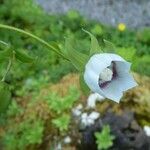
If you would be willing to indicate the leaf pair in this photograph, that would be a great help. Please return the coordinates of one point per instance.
(107, 47)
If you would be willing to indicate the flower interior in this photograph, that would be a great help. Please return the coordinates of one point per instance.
(107, 75)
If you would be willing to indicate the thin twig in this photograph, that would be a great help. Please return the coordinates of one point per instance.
(7, 70)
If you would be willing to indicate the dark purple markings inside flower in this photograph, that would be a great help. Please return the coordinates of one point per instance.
(112, 67)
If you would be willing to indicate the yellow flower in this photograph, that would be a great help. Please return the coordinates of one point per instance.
(121, 27)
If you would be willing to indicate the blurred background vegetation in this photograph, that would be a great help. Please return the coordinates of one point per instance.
(29, 79)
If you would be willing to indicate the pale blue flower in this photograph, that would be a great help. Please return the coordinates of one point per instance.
(108, 75)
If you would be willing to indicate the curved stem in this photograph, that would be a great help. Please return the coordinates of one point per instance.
(33, 36)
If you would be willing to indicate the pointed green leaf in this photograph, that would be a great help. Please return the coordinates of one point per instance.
(95, 48)
(24, 57)
(77, 59)
(5, 97)
(109, 47)
(85, 89)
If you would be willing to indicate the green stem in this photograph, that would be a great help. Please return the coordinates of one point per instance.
(4, 43)
(7, 70)
(33, 36)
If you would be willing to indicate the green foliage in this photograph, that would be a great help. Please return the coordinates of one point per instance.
(28, 79)
(104, 139)
(109, 47)
(62, 122)
(24, 128)
(5, 97)
(72, 14)
(60, 104)
(141, 64)
(24, 134)
(97, 30)
(14, 109)
(143, 35)
(127, 53)
(77, 58)
(23, 57)
(55, 28)
(5, 54)
(85, 89)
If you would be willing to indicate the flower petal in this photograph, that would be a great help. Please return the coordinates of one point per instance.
(122, 66)
(115, 57)
(113, 91)
(125, 79)
(91, 79)
(98, 62)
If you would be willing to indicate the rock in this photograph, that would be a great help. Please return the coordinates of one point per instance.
(128, 134)
(134, 13)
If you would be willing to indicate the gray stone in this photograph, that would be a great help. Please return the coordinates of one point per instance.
(134, 13)
(128, 134)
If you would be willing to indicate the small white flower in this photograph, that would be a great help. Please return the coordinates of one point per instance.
(147, 130)
(77, 110)
(67, 140)
(94, 115)
(84, 116)
(92, 99)
(108, 75)
(88, 120)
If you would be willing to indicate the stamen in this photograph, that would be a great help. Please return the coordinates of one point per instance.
(106, 75)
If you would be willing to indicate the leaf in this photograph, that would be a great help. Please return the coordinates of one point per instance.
(24, 57)
(60, 104)
(5, 54)
(77, 59)
(109, 47)
(5, 97)
(95, 48)
(83, 85)
(104, 139)
(62, 122)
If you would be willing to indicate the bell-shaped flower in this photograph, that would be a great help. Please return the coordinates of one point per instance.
(108, 75)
